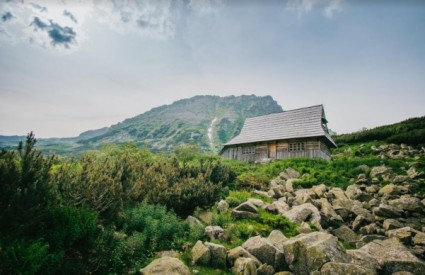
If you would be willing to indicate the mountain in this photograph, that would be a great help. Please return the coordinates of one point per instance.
(206, 121)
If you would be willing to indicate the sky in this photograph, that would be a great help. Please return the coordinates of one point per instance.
(71, 66)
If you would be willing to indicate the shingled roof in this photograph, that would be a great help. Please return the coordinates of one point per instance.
(299, 123)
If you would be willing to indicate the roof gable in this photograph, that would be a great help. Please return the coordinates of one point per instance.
(299, 123)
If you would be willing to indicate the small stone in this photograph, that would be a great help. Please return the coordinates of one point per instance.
(200, 254)
(344, 233)
(214, 232)
(390, 224)
(244, 266)
(403, 234)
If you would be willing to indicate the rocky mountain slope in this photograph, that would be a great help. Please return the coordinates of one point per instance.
(376, 225)
(206, 121)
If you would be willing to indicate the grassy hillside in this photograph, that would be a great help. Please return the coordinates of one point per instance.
(410, 131)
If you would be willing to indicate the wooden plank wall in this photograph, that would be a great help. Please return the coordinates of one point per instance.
(314, 148)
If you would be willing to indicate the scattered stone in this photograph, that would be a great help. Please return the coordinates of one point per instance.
(166, 265)
(400, 179)
(214, 232)
(319, 190)
(367, 239)
(407, 203)
(304, 196)
(392, 257)
(359, 222)
(193, 222)
(338, 194)
(403, 234)
(266, 252)
(419, 239)
(244, 266)
(390, 224)
(379, 170)
(218, 254)
(222, 206)
(304, 212)
(373, 189)
(281, 206)
(256, 202)
(240, 252)
(369, 229)
(304, 228)
(307, 253)
(343, 268)
(200, 254)
(344, 233)
(362, 258)
(277, 239)
(247, 207)
(265, 269)
(289, 185)
(386, 211)
(289, 173)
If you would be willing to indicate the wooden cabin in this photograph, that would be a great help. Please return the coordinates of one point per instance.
(289, 134)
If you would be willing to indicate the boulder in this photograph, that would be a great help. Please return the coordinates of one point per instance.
(407, 203)
(319, 190)
(344, 268)
(222, 206)
(359, 222)
(373, 189)
(378, 171)
(386, 211)
(367, 239)
(244, 266)
(247, 207)
(337, 193)
(307, 253)
(419, 239)
(193, 222)
(289, 185)
(369, 229)
(289, 173)
(362, 258)
(277, 239)
(214, 232)
(344, 233)
(392, 257)
(304, 228)
(304, 196)
(390, 190)
(240, 252)
(166, 265)
(304, 212)
(201, 254)
(281, 206)
(218, 254)
(266, 252)
(400, 179)
(256, 202)
(239, 215)
(403, 234)
(413, 174)
(265, 269)
(390, 224)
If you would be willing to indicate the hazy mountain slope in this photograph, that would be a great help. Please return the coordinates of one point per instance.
(187, 121)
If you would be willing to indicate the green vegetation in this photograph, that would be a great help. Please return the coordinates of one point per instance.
(410, 131)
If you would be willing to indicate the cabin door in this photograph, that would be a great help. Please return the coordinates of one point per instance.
(272, 150)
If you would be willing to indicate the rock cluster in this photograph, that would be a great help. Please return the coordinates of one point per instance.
(383, 227)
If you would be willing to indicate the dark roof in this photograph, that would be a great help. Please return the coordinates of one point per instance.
(299, 123)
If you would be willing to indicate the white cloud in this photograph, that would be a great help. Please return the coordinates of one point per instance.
(329, 7)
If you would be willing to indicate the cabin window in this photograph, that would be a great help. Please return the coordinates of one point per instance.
(297, 146)
(249, 150)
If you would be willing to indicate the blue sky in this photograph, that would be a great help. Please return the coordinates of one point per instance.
(69, 66)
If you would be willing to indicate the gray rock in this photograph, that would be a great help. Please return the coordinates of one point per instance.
(403, 234)
(281, 206)
(289, 173)
(390, 224)
(166, 265)
(338, 194)
(386, 211)
(240, 252)
(390, 190)
(200, 254)
(214, 232)
(369, 229)
(277, 239)
(193, 222)
(359, 222)
(362, 258)
(373, 189)
(304, 196)
(304, 228)
(328, 211)
(344, 233)
(218, 254)
(400, 179)
(289, 185)
(247, 207)
(319, 190)
(343, 268)
(419, 239)
(256, 202)
(244, 266)
(392, 257)
(304, 212)
(407, 203)
(265, 251)
(238, 215)
(307, 253)
(378, 171)
(265, 269)
(222, 206)
(367, 239)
